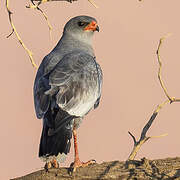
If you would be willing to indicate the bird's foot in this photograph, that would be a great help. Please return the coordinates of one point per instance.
(51, 164)
(55, 164)
(78, 164)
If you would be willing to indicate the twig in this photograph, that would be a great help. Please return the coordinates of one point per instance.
(42, 1)
(34, 6)
(93, 3)
(160, 70)
(17, 35)
(171, 99)
(143, 137)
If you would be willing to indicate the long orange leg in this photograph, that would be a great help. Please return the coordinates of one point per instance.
(77, 163)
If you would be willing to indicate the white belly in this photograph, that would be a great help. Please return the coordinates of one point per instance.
(81, 105)
(82, 108)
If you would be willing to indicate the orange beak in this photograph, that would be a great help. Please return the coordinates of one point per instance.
(92, 27)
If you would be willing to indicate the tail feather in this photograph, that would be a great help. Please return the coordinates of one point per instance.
(56, 134)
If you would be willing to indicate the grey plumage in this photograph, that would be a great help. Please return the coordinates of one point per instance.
(67, 86)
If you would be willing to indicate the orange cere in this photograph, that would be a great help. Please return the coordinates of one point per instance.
(91, 26)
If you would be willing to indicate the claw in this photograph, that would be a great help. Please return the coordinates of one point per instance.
(78, 164)
(55, 164)
(51, 164)
(47, 166)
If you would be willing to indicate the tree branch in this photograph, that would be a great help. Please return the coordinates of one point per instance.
(143, 137)
(43, 1)
(171, 99)
(160, 70)
(140, 169)
(17, 35)
(34, 6)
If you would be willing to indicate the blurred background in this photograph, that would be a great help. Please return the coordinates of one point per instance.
(126, 49)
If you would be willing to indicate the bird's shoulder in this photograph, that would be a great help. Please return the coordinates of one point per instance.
(73, 63)
(76, 60)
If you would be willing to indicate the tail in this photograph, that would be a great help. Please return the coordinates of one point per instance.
(56, 134)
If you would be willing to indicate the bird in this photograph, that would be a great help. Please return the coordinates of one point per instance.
(68, 84)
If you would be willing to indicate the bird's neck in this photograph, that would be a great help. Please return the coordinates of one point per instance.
(73, 42)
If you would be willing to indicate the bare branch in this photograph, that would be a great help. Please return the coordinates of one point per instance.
(171, 99)
(34, 6)
(136, 148)
(160, 70)
(17, 35)
(133, 137)
(161, 105)
(143, 137)
(147, 126)
(162, 135)
(138, 145)
(93, 3)
(43, 1)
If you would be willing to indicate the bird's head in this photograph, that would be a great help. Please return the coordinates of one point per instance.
(81, 27)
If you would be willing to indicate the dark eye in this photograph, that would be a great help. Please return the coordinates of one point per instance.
(81, 23)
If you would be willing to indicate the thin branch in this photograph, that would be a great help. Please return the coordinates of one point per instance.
(171, 99)
(43, 1)
(93, 3)
(17, 35)
(143, 137)
(133, 137)
(162, 135)
(34, 6)
(147, 126)
(160, 70)
(152, 118)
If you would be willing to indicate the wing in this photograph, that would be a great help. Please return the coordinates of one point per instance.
(41, 84)
(78, 78)
(75, 82)
(100, 80)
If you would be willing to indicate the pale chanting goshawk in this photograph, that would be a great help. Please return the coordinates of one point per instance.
(67, 86)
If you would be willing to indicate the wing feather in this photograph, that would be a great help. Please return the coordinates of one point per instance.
(79, 79)
(75, 81)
